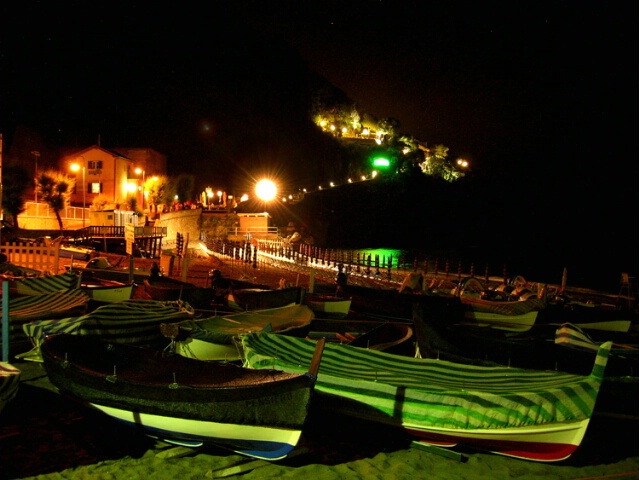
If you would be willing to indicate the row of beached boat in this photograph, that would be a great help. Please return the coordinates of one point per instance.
(244, 377)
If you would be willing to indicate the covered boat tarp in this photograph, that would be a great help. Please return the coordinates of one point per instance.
(218, 337)
(428, 393)
(134, 321)
(9, 383)
(49, 305)
(48, 283)
(223, 329)
(46, 305)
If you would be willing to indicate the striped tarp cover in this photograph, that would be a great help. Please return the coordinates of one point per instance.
(48, 305)
(135, 321)
(434, 393)
(224, 329)
(9, 383)
(574, 337)
(48, 283)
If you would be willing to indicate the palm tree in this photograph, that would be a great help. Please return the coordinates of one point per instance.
(16, 182)
(55, 190)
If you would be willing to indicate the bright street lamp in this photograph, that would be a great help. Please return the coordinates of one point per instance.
(265, 190)
(75, 167)
(143, 172)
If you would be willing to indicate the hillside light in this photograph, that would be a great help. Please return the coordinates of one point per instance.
(381, 162)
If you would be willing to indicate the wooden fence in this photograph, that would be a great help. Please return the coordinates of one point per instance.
(34, 257)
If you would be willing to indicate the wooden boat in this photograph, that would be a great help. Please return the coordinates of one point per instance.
(66, 249)
(9, 383)
(497, 309)
(28, 308)
(539, 349)
(386, 337)
(219, 337)
(327, 306)
(529, 414)
(47, 283)
(587, 315)
(525, 309)
(255, 413)
(566, 348)
(368, 301)
(258, 299)
(11, 272)
(390, 304)
(135, 321)
(97, 289)
(359, 331)
(101, 267)
(166, 288)
(107, 291)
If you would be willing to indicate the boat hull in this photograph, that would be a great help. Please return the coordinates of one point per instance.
(256, 299)
(108, 293)
(268, 443)
(540, 442)
(328, 307)
(183, 400)
(167, 289)
(509, 323)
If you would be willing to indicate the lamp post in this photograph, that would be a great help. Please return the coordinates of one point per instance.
(36, 155)
(143, 172)
(75, 167)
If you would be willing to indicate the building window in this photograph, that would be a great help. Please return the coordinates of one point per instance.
(95, 187)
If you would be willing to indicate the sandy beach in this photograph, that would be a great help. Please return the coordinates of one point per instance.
(46, 436)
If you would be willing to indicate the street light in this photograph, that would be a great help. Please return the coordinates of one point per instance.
(266, 190)
(75, 167)
(36, 155)
(143, 172)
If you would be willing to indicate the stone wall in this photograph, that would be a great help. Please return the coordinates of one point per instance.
(186, 222)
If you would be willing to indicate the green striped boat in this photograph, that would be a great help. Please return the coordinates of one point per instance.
(535, 415)
(47, 305)
(135, 321)
(48, 283)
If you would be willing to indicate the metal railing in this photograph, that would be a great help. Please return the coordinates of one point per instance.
(38, 210)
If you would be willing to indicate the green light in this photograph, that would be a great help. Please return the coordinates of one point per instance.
(381, 162)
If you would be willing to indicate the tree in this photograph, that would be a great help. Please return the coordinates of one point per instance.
(437, 164)
(15, 182)
(156, 189)
(55, 188)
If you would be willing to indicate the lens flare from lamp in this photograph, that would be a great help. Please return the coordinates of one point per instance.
(265, 190)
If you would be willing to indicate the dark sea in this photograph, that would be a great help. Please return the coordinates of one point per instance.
(487, 229)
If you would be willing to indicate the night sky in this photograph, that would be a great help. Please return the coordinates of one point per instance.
(539, 96)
